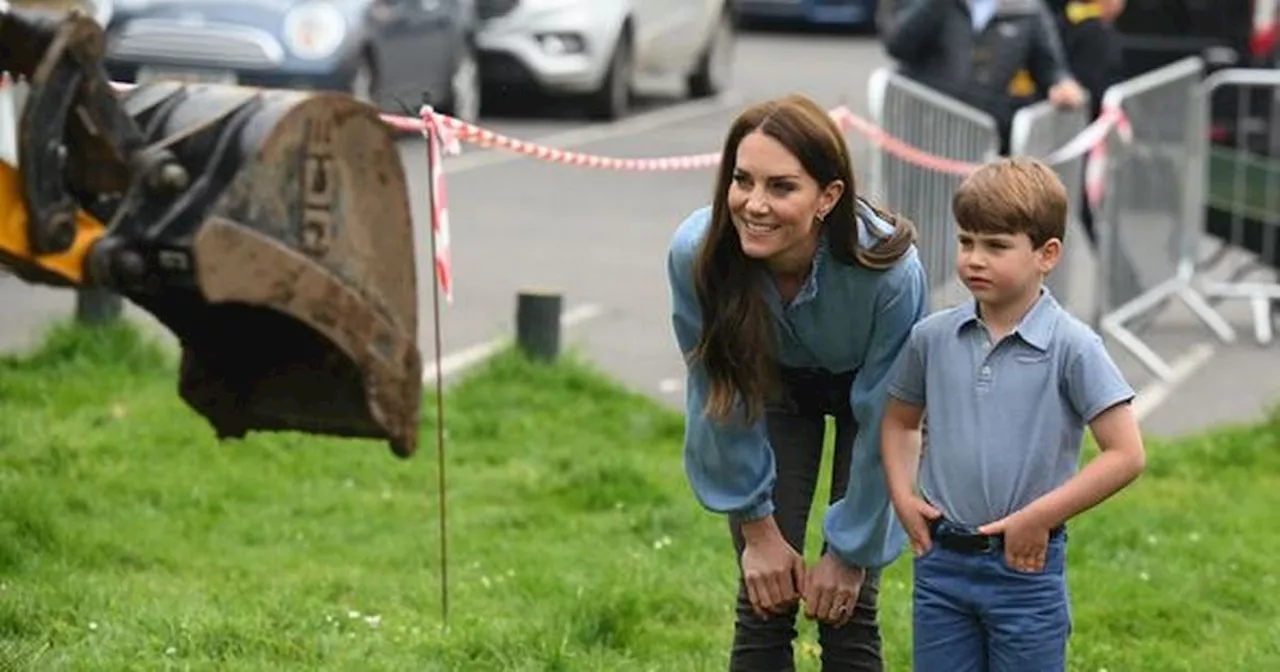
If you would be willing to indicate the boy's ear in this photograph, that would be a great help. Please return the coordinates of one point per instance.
(1049, 254)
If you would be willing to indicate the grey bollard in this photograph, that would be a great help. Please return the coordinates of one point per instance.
(96, 306)
(538, 325)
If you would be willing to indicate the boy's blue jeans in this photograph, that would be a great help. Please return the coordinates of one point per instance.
(973, 613)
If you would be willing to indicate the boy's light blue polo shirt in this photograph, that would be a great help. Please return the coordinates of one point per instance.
(1006, 420)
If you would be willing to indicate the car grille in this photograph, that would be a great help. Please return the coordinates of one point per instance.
(492, 9)
(208, 44)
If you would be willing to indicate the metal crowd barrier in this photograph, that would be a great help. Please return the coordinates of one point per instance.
(1241, 182)
(1037, 131)
(1153, 197)
(1166, 186)
(1172, 117)
(941, 126)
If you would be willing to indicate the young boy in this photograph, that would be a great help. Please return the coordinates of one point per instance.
(1009, 380)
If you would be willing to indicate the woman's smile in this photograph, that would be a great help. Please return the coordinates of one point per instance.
(757, 229)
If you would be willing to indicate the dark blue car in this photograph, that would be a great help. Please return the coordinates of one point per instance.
(819, 12)
(384, 51)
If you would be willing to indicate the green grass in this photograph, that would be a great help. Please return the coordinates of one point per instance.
(130, 539)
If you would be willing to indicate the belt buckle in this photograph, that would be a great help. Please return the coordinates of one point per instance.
(964, 540)
(982, 543)
(968, 543)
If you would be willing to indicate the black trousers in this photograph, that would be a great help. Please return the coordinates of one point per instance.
(796, 428)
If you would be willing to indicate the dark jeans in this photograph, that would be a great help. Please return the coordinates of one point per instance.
(796, 428)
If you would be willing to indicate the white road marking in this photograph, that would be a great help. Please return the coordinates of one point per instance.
(1151, 396)
(456, 362)
(640, 123)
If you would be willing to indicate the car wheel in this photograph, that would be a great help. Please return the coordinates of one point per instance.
(464, 88)
(715, 67)
(613, 99)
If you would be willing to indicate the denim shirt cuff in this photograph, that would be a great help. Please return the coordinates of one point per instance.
(754, 512)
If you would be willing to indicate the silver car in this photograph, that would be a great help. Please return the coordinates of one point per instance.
(598, 48)
(387, 52)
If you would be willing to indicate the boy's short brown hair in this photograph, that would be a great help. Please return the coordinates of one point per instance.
(1012, 196)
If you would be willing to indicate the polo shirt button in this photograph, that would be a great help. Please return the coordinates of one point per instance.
(986, 371)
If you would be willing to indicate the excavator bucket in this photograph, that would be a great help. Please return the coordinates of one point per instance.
(269, 230)
(301, 308)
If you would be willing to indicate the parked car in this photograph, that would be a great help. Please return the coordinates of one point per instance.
(818, 12)
(598, 48)
(382, 51)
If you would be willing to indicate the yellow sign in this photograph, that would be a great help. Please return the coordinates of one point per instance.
(1078, 12)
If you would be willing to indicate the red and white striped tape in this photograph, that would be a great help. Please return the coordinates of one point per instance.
(1091, 137)
(1095, 175)
(444, 135)
(439, 141)
(900, 149)
(1087, 141)
(846, 118)
(484, 137)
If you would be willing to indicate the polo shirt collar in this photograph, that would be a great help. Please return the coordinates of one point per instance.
(1036, 327)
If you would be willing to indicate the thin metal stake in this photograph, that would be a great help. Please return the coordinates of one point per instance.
(435, 309)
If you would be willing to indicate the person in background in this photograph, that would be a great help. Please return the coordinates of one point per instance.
(1087, 28)
(1010, 381)
(991, 54)
(791, 299)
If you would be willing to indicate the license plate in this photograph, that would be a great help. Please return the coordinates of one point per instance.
(185, 75)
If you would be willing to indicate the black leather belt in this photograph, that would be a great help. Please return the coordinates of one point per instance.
(965, 539)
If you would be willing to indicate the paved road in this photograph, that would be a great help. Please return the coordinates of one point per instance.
(600, 236)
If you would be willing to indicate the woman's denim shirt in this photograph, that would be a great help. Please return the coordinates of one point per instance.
(845, 318)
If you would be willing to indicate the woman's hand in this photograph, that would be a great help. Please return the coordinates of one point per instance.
(831, 592)
(773, 571)
(1111, 10)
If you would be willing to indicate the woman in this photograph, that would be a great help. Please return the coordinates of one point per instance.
(791, 299)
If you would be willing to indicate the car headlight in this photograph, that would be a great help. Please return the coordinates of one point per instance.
(314, 30)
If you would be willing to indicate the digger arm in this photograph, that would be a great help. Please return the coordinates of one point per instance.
(65, 268)
(76, 142)
(269, 230)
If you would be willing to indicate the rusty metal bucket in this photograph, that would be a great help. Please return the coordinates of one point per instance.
(291, 279)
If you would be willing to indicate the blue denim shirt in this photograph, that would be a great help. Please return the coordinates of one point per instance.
(845, 318)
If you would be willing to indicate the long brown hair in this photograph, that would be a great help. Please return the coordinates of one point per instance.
(737, 346)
